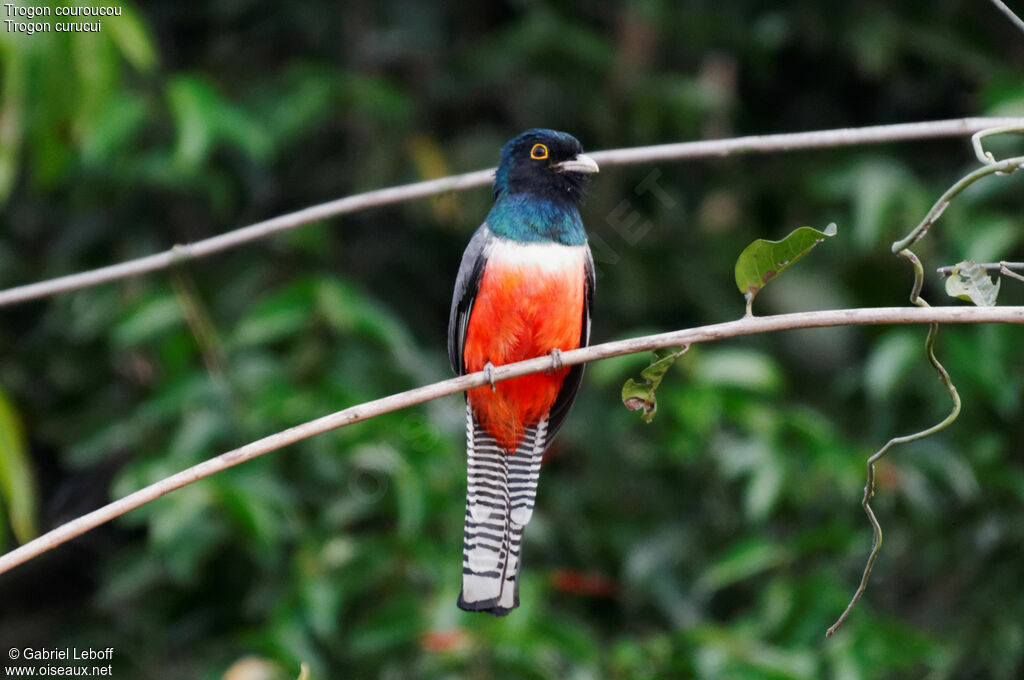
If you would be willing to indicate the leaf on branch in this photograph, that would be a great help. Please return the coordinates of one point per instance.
(639, 394)
(763, 260)
(969, 281)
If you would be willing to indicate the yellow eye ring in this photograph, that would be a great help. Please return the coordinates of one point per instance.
(539, 152)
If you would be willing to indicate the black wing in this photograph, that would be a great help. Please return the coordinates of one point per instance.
(466, 286)
(571, 385)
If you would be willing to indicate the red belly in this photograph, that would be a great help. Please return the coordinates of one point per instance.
(521, 312)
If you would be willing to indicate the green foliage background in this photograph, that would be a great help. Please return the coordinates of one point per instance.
(717, 542)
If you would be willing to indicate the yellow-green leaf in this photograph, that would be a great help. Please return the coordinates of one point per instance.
(12, 112)
(132, 36)
(17, 487)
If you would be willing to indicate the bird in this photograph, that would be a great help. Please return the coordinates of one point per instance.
(524, 289)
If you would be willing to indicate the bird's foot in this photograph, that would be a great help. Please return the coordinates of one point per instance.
(489, 372)
(556, 361)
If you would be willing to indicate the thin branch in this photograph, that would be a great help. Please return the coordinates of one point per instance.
(232, 239)
(1003, 167)
(869, 486)
(745, 326)
(1009, 13)
(380, 197)
(986, 157)
(902, 248)
(796, 141)
(1005, 271)
(947, 271)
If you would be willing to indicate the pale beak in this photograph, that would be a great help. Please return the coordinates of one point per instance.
(582, 163)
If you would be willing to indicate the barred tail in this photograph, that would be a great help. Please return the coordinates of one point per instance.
(500, 495)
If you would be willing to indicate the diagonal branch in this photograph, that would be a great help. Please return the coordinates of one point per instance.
(685, 150)
(748, 325)
(1009, 14)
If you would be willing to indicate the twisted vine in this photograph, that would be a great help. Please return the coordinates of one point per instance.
(901, 248)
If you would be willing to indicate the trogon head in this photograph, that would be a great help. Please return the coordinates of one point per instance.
(545, 164)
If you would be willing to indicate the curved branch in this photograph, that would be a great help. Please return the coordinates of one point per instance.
(902, 248)
(749, 325)
(1003, 167)
(869, 486)
(684, 150)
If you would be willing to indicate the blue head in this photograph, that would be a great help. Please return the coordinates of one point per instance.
(544, 163)
(538, 186)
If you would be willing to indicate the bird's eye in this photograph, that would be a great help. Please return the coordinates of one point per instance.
(539, 152)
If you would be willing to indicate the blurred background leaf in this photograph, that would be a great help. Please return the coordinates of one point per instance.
(17, 485)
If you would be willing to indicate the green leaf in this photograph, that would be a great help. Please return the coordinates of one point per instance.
(347, 309)
(96, 73)
(737, 367)
(149, 320)
(969, 281)
(114, 129)
(763, 260)
(17, 488)
(192, 102)
(132, 37)
(744, 560)
(639, 394)
(259, 506)
(281, 314)
(747, 657)
(888, 363)
(12, 112)
(204, 118)
(390, 624)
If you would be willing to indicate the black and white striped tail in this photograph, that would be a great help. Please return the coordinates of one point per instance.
(500, 494)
